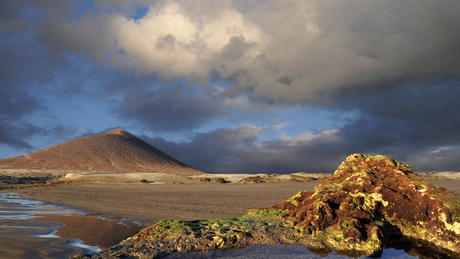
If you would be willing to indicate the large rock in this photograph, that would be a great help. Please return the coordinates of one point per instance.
(369, 201)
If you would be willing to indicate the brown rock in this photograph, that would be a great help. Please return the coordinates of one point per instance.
(368, 202)
(373, 197)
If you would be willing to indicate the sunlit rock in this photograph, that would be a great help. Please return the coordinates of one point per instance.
(368, 202)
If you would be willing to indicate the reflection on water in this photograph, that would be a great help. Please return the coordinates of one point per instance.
(282, 252)
(93, 230)
(421, 248)
(402, 248)
(33, 229)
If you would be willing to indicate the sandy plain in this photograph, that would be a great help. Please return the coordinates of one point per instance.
(151, 202)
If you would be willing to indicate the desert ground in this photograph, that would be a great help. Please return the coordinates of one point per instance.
(116, 196)
(149, 203)
(166, 197)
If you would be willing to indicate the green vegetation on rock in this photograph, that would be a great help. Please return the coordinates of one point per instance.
(367, 201)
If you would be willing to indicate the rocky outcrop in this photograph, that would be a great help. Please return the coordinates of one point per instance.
(369, 199)
(368, 202)
(279, 178)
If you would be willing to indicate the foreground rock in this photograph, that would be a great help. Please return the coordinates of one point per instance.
(368, 202)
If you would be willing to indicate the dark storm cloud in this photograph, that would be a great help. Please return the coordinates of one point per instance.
(414, 123)
(421, 113)
(24, 72)
(15, 67)
(413, 118)
(393, 65)
(170, 110)
(215, 151)
(15, 136)
(238, 150)
(13, 129)
(295, 52)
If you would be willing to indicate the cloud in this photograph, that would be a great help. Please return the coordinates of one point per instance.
(413, 114)
(300, 52)
(414, 123)
(294, 51)
(239, 150)
(180, 66)
(243, 150)
(170, 110)
(15, 67)
(178, 107)
(306, 53)
(18, 133)
(173, 41)
(25, 73)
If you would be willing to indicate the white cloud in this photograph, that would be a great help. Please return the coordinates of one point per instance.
(442, 149)
(163, 42)
(307, 138)
(280, 50)
(173, 42)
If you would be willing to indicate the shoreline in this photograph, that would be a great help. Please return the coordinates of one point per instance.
(147, 204)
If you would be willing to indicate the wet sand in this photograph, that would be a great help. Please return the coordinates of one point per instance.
(149, 203)
(22, 237)
(32, 229)
(13, 246)
(92, 230)
(453, 185)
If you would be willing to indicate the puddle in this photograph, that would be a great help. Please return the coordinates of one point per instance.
(33, 229)
(403, 248)
(93, 230)
(281, 252)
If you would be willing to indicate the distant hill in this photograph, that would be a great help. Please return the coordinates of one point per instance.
(113, 151)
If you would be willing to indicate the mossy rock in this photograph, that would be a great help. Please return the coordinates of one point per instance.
(366, 203)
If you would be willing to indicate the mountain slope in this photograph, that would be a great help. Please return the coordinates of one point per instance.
(113, 151)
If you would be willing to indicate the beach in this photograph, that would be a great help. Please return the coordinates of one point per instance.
(150, 203)
(147, 204)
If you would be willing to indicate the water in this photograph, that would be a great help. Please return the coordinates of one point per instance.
(33, 229)
(281, 252)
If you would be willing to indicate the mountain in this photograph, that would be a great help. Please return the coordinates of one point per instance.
(113, 151)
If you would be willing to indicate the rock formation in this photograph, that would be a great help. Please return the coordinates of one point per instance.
(368, 202)
(113, 151)
(369, 199)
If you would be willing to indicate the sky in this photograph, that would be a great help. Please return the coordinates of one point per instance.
(263, 86)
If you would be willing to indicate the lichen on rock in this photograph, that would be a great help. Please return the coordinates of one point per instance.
(368, 202)
(368, 199)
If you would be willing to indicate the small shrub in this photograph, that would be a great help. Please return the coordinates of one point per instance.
(218, 180)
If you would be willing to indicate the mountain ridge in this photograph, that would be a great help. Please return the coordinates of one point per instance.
(113, 151)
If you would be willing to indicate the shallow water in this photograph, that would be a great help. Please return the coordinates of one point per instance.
(281, 252)
(33, 229)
